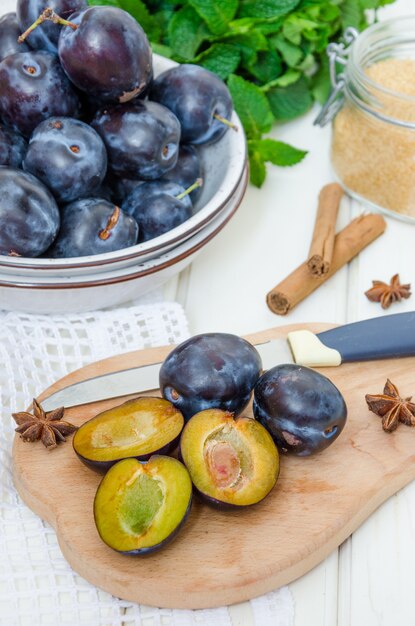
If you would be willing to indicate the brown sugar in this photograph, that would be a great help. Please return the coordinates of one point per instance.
(375, 158)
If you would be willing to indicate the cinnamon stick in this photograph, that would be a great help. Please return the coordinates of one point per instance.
(347, 244)
(322, 244)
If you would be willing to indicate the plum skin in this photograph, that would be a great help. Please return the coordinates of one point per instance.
(9, 32)
(34, 87)
(195, 95)
(103, 466)
(12, 148)
(29, 215)
(142, 138)
(108, 55)
(212, 370)
(303, 410)
(68, 156)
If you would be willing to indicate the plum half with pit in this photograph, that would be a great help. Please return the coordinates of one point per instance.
(302, 409)
(142, 138)
(212, 370)
(231, 461)
(137, 428)
(140, 507)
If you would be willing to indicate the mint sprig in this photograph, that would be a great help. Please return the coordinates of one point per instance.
(270, 52)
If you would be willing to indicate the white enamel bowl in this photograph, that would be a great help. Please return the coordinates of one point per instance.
(223, 163)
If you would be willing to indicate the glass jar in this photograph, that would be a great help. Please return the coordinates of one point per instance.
(372, 108)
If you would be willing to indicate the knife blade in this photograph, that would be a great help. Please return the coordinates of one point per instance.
(390, 336)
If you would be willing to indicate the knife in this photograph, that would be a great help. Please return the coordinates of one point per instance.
(390, 336)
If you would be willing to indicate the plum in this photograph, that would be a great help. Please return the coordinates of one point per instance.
(9, 32)
(158, 206)
(12, 148)
(138, 428)
(231, 461)
(29, 215)
(140, 507)
(212, 370)
(187, 169)
(302, 409)
(68, 156)
(142, 138)
(200, 100)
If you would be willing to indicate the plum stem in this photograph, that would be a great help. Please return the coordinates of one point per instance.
(105, 233)
(223, 120)
(196, 184)
(47, 15)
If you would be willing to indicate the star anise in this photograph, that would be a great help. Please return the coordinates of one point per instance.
(48, 427)
(387, 294)
(392, 408)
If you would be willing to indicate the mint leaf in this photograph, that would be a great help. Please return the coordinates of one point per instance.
(257, 169)
(186, 32)
(277, 152)
(251, 105)
(267, 67)
(290, 53)
(216, 13)
(138, 9)
(289, 102)
(266, 8)
(322, 83)
(351, 13)
(221, 58)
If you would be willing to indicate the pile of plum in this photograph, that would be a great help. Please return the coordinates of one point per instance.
(228, 459)
(95, 155)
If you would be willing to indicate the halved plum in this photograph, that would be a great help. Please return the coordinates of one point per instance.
(138, 428)
(231, 461)
(140, 507)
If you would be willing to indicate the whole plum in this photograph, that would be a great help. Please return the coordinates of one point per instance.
(157, 207)
(93, 226)
(34, 87)
(142, 138)
(213, 370)
(68, 156)
(29, 215)
(108, 54)
(302, 409)
(45, 36)
(198, 98)
(9, 32)
(187, 169)
(12, 147)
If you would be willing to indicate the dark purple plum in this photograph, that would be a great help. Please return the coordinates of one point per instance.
(68, 156)
(29, 215)
(302, 409)
(122, 187)
(213, 370)
(93, 226)
(157, 420)
(187, 169)
(46, 35)
(9, 33)
(140, 507)
(33, 87)
(157, 207)
(12, 148)
(142, 138)
(196, 96)
(108, 55)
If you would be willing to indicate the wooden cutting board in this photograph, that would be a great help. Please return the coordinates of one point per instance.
(221, 558)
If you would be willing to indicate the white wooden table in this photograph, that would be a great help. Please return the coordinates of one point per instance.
(370, 579)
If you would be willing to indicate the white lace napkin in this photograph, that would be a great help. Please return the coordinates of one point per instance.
(37, 586)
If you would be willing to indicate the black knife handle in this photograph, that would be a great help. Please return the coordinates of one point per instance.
(385, 337)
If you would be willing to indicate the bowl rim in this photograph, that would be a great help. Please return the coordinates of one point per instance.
(144, 272)
(233, 176)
